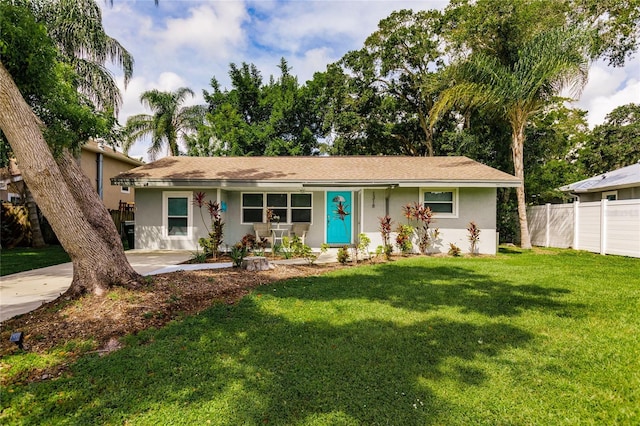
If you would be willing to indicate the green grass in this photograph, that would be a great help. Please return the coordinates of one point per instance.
(524, 338)
(25, 259)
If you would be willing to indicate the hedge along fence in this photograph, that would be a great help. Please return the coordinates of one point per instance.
(605, 227)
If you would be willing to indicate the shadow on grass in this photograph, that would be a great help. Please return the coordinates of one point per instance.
(509, 250)
(261, 362)
(425, 288)
(238, 365)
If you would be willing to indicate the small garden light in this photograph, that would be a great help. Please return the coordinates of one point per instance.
(17, 338)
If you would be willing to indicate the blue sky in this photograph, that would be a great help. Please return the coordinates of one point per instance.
(186, 43)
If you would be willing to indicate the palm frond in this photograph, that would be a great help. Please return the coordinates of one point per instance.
(169, 122)
(188, 118)
(137, 127)
(97, 84)
(76, 27)
(551, 62)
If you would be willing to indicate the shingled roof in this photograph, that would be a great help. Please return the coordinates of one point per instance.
(310, 171)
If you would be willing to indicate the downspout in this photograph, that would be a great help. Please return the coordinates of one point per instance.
(99, 164)
(387, 197)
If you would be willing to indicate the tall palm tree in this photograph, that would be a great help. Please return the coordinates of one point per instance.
(170, 121)
(76, 28)
(546, 65)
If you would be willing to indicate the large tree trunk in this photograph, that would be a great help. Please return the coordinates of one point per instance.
(74, 210)
(428, 133)
(37, 240)
(517, 149)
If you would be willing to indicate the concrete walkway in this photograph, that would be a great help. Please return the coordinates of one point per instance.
(25, 291)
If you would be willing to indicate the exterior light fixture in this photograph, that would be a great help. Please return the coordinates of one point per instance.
(17, 338)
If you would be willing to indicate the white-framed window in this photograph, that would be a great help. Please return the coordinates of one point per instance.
(610, 195)
(442, 201)
(125, 190)
(301, 207)
(177, 214)
(289, 207)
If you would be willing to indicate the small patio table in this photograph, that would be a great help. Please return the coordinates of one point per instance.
(278, 234)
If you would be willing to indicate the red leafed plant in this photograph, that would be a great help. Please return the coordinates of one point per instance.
(210, 245)
(385, 231)
(424, 216)
(474, 236)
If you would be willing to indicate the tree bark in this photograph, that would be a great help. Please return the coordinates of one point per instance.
(74, 210)
(517, 149)
(37, 240)
(428, 133)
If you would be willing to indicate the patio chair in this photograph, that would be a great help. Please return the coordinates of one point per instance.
(300, 230)
(263, 230)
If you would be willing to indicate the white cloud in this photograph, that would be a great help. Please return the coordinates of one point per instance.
(600, 106)
(314, 60)
(211, 29)
(609, 88)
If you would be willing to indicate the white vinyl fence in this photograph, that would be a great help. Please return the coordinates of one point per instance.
(605, 227)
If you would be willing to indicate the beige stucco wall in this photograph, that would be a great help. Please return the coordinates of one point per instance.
(474, 204)
(112, 194)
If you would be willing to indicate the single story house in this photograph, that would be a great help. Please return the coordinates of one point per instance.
(620, 184)
(338, 197)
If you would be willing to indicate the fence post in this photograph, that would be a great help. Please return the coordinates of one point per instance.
(547, 225)
(576, 220)
(603, 226)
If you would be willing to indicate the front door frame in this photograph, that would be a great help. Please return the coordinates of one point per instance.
(329, 215)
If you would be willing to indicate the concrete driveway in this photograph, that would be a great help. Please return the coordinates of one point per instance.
(25, 291)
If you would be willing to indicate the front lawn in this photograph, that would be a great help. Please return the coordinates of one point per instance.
(25, 259)
(548, 337)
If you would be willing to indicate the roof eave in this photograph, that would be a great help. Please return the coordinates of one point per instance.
(599, 188)
(168, 183)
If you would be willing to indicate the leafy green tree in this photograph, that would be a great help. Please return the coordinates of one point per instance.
(613, 144)
(614, 27)
(169, 123)
(253, 118)
(500, 30)
(546, 64)
(390, 86)
(64, 194)
(550, 159)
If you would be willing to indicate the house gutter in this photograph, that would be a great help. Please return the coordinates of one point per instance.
(164, 183)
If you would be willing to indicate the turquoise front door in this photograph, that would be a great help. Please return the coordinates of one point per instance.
(339, 217)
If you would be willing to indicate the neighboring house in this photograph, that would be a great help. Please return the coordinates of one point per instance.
(621, 184)
(98, 162)
(603, 219)
(11, 183)
(339, 197)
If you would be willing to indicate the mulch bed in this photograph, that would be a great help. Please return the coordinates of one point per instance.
(120, 312)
